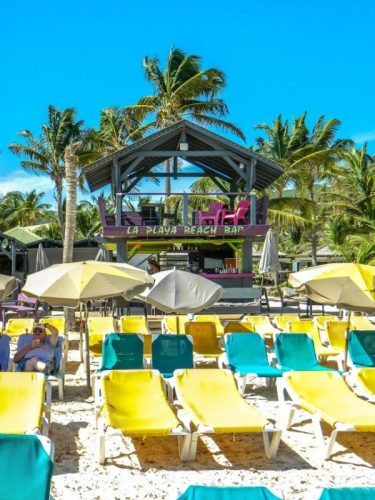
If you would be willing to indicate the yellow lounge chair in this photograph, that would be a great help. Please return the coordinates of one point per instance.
(205, 342)
(361, 323)
(328, 398)
(56, 321)
(98, 327)
(169, 324)
(321, 320)
(365, 378)
(22, 403)
(211, 318)
(282, 321)
(214, 405)
(238, 326)
(134, 404)
(18, 326)
(309, 327)
(262, 325)
(137, 324)
(336, 334)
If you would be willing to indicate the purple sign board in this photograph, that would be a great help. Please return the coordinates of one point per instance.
(206, 231)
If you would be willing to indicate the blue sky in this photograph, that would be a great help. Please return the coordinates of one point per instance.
(279, 57)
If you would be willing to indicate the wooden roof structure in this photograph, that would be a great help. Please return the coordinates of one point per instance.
(214, 155)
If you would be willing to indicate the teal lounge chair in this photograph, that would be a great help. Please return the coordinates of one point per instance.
(348, 494)
(247, 355)
(171, 352)
(296, 351)
(25, 467)
(361, 347)
(122, 352)
(228, 493)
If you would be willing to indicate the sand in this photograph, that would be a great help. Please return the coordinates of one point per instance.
(151, 469)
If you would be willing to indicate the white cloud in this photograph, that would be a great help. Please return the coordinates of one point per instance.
(364, 137)
(24, 182)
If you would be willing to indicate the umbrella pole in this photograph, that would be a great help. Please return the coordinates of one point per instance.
(86, 350)
(80, 334)
(347, 343)
(177, 324)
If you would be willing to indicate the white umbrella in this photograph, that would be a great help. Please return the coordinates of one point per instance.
(41, 261)
(182, 292)
(269, 260)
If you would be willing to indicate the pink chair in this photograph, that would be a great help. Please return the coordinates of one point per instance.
(213, 214)
(238, 215)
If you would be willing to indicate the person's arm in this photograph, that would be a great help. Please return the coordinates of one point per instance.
(22, 352)
(54, 334)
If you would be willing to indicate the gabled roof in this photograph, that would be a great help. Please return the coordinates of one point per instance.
(99, 173)
(23, 235)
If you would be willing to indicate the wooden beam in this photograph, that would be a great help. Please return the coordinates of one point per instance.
(133, 183)
(235, 167)
(175, 167)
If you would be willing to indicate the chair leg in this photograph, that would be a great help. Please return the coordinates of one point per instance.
(101, 443)
(185, 448)
(271, 447)
(60, 385)
(331, 442)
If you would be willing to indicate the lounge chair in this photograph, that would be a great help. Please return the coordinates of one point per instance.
(296, 351)
(227, 493)
(98, 327)
(308, 326)
(261, 324)
(320, 320)
(329, 399)
(336, 334)
(347, 494)
(26, 465)
(238, 326)
(282, 320)
(239, 215)
(214, 406)
(18, 326)
(171, 352)
(365, 382)
(211, 318)
(137, 324)
(361, 323)
(134, 404)
(361, 347)
(246, 356)
(204, 339)
(4, 352)
(58, 374)
(56, 321)
(172, 324)
(23, 408)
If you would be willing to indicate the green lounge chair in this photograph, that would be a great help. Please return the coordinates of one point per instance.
(171, 352)
(348, 494)
(122, 352)
(228, 493)
(361, 347)
(296, 351)
(247, 355)
(25, 466)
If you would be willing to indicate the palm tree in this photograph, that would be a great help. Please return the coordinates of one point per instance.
(23, 209)
(88, 222)
(45, 155)
(182, 90)
(118, 128)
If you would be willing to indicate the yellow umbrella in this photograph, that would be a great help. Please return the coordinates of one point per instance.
(71, 284)
(348, 286)
(7, 285)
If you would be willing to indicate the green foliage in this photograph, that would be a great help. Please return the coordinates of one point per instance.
(23, 209)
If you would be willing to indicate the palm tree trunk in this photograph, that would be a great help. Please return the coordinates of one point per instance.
(60, 210)
(314, 236)
(167, 187)
(70, 220)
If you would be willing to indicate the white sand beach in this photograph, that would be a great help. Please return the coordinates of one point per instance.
(152, 470)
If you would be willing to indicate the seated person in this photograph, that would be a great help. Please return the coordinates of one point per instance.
(38, 355)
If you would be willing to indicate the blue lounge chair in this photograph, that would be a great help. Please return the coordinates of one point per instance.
(171, 352)
(361, 347)
(296, 351)
(4, 352)
(348, 494)
(122, 352)
(25, 466)
(247, 355)
(228, 493)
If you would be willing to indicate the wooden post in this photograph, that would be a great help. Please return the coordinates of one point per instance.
(247, 256)
(122, 250)
(13, 257)
(118, 208)
(253, 208)
(185, 208)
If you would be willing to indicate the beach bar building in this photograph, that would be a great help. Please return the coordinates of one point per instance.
(216, 241)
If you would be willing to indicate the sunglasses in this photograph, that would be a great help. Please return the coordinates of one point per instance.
(39, 331)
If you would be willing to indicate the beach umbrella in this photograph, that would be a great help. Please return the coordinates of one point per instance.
(348, 286)
(7, 285)
(181, 292)
(269, 260)
(72, 284)
(41, 261)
